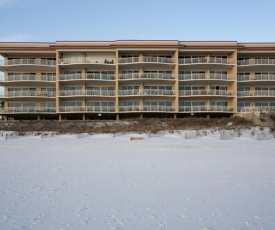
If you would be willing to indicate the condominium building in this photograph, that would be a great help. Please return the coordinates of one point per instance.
(135, 78)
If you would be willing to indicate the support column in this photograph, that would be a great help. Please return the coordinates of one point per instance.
(208, 116)
(83, 117)
(38, 117)
(141, 116)
(175, 116)
(117, 117)
(5, 118)
(60, 117)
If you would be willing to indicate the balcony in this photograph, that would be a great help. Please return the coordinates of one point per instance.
(27, 64)
(32, 110)
(148, 108)
(84, 60)
(206, 109)
(24, 79)
(257, 61)
(208, 77)
(128, 60)
(257, 93)
(129, 108)
(205, 60)
(87, 109)
(129, 76)
(257, 64)
(223, 93)
(86, 93)
(146, 76)
(252, 109)
(146, 92)
(88, 76)
(39, 94)
(156, 59)
(262, 77)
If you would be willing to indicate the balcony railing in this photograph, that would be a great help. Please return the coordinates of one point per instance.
(205, 60)
(84, 60)
(88, 76)
(132, 92)
(129, 76)
(27, 61)
(150, 92)
(159, 76)
(24, 77)
(259, 93)
(203, 76)
(149, 108)
(251, 109)
(128, 60)
(164, 76)
(98, 109)
(262, 77)
(30, 94)
(206, 92)
(70, 93)
(255, 61)
(29, 110)
(158, 59)
(206, 109)
(129, 108)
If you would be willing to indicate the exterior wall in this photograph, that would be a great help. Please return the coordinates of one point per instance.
(136, 77)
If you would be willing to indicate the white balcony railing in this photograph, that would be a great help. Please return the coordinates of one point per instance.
(150, 92)
(88, 76)
(28, 77)
(206, 92)
(27, 61)
(251, 109)
(128, 60)
(129, 76)
(30, 94)
(164, 76)
(151, 108)
(70, 93)
(29, 110)
(221, 108)
(155, 59)
(132, 92)
(262, 77)
(98, 109)
(204, 76)
(192, 108)
(134, 76)
(205, 60)
(257, 61)
(129, 108)
(206, 109)
(84, 60)
(263, 93)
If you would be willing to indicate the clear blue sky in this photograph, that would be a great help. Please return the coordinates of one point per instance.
(51, 20)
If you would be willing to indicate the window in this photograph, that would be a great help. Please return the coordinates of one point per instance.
(72, 103)
(48, 77)
(100, 103)
(129, 103)
(129, 87)
(218, 103)
(157, 103)
(72, 88)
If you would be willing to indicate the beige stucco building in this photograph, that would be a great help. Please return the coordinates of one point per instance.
(135, 78)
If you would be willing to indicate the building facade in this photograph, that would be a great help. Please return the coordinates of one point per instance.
(135, 78)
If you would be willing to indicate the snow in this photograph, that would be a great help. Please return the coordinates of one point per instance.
(165, 181)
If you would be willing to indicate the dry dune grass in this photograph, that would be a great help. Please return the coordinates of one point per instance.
(135, 125)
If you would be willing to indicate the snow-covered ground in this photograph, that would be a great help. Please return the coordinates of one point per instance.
(161, 182)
